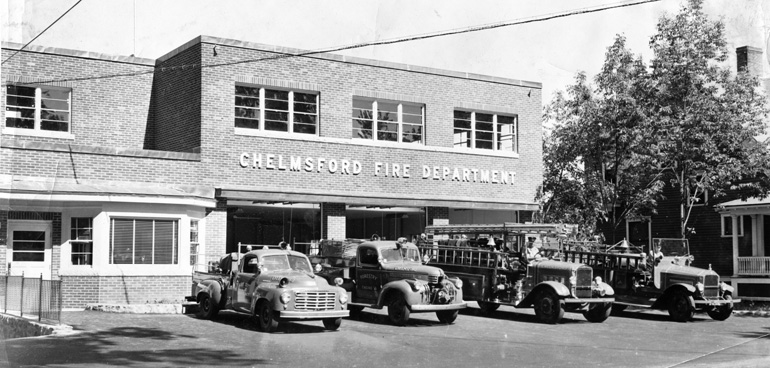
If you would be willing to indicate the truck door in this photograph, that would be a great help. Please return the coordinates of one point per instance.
(368, 275)
(245, 282)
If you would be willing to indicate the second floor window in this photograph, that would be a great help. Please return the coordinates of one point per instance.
(486, 131)
(37, 108)
(276, 110)
(387, 121)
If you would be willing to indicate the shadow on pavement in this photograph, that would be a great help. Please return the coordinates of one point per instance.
(415, 319)
(244, 322)
(569, 318)
(113, 347)
(662, 317)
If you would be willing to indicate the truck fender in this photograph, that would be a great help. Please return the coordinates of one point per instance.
(398, 287)
(662, 302)
(557, 287)
(210, 287)
(608, 290)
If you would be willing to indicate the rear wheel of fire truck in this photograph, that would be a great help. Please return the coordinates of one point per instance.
(488, 307)
(598, 313)
(723, 311)
(548, 307)
(398, 311)
(447, 316)
(266, 319)
(680, 306)
(207, 309)
(332, 324)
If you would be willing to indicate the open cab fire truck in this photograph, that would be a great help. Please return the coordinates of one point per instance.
(489, 260)
(667, 283)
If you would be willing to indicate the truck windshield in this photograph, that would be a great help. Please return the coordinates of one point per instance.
(403, 254)
(286, 263)
(673, 247)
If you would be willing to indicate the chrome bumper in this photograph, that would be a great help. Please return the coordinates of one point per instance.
(314, 314)
(437, 307)
(702, 302)
(589, 300)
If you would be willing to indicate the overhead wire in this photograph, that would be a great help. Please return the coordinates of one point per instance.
(41, 33)
(364, 44)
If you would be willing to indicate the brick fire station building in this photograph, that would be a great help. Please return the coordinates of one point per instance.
(119, 175)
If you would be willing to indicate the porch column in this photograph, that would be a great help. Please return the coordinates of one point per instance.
(754, 234)
(760, 252)
(734, 219)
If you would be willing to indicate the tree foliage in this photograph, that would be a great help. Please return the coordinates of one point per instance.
(684, 120)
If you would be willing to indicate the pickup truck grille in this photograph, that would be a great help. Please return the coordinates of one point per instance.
(711, 286)
(315, 300)
(433, 279)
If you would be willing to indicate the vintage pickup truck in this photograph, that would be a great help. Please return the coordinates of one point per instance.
(271, 285)
(390, 274)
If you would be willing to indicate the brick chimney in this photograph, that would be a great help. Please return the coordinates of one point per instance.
(750, 60)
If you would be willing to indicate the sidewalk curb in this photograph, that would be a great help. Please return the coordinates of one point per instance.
(751, 313)
(139, 308)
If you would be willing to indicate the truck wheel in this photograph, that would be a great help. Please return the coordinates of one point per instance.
(398, 311)
(723, 311)
(332, 324)
(447, 316)
(266, 318)
(488, 307)
(680, 307)
(207, 309)
(548, 307)
(598, 313)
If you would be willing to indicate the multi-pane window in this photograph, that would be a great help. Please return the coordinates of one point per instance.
(276, 110)
(28, 246)
(486, 131)
(387, 121)
(37, 108)
(81, 240)
(727, 226)
(194, 243)
(144, 241)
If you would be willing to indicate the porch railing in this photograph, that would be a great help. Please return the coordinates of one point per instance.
(31, 298)
(754, 266)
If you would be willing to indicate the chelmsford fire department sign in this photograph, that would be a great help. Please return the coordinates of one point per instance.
(379, 169)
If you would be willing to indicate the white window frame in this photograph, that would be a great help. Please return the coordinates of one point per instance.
(705, 196)
(729, 217)
(195, 251)
(400, 121)
(176, 254)
(495, 131)
(37, 130)
(291, 112)
(81, 241)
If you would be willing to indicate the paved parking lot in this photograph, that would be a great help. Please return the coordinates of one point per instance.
(507, 338)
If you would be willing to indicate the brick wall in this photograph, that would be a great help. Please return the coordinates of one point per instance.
(4, 242)
(216, 232)
(438, 216)
(77, 291)
(177, 102)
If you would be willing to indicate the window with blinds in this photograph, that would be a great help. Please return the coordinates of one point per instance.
(144, 241)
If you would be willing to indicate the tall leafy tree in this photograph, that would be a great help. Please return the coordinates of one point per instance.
(685, 120)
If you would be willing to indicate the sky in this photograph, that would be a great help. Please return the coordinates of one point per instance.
(550, 52)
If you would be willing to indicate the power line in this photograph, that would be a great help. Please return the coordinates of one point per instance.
(41, 33)
(367, 44)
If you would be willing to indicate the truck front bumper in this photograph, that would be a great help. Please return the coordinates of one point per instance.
(714, 302)
(314, 314)
(437, 307)
(589, 300)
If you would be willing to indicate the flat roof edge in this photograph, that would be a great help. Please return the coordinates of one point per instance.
(78, 53)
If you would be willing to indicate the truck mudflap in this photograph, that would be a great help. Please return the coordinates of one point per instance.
(437, 307)
(588, 300)
(711, 302)
(314, 314)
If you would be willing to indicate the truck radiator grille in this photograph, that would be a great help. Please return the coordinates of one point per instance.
(433, 279)
(711, 286)
(315, 300)
(584, 281)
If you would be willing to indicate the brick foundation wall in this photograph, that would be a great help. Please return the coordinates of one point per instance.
(77, 291)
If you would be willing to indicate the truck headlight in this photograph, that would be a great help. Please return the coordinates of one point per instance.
(699, 287)
(458, 283)
(418, 286)
(318, 267)
(573, 280)
(343, 298)
(338, 281)
(285, 298)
